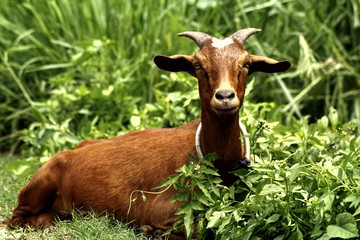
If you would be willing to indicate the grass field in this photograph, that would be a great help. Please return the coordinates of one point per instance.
(67, 63)
(73, 70)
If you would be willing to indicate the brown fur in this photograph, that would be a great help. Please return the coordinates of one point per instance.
(100, 175)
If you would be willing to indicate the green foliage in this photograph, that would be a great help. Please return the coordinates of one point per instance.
(303, 183)
(72, 70)
(87, 64)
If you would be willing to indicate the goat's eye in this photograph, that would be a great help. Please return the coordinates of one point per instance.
(244, 68)
(197, 66)
(246, 65)
(200, 70)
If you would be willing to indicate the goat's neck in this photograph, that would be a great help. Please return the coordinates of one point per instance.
(222, 136)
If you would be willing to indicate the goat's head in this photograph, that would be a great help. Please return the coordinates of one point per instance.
(221, 67)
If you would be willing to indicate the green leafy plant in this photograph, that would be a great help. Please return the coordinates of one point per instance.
(72, 70)
(303, 184)
(75, 60)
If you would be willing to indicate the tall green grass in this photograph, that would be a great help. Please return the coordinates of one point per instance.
(71, 70)
(87, 66)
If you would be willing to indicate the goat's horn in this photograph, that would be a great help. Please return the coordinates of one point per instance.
(244, 34)
(198, 37)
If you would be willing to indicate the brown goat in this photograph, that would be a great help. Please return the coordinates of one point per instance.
(100, 175)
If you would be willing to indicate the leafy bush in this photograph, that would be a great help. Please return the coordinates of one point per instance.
(82, 69)
(303, 183)
(87, 64)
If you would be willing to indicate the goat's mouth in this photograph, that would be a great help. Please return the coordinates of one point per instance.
(226, 110)
(225, 106)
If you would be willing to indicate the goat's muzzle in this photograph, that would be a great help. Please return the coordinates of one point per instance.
(225, 101)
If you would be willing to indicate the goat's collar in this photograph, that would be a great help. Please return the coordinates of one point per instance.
(242, 163)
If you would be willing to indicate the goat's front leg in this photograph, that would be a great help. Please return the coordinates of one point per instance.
(162, 217)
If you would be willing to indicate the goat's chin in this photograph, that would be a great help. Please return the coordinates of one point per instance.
(226, 110)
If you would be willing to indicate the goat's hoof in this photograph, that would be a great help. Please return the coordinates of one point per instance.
(147, 229)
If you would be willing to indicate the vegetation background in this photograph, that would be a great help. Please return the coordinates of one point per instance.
(72, 70)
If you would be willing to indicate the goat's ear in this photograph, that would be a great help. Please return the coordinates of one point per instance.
(176, 63)
(268, 65)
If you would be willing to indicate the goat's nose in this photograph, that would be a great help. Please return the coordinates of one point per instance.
(225, 95)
